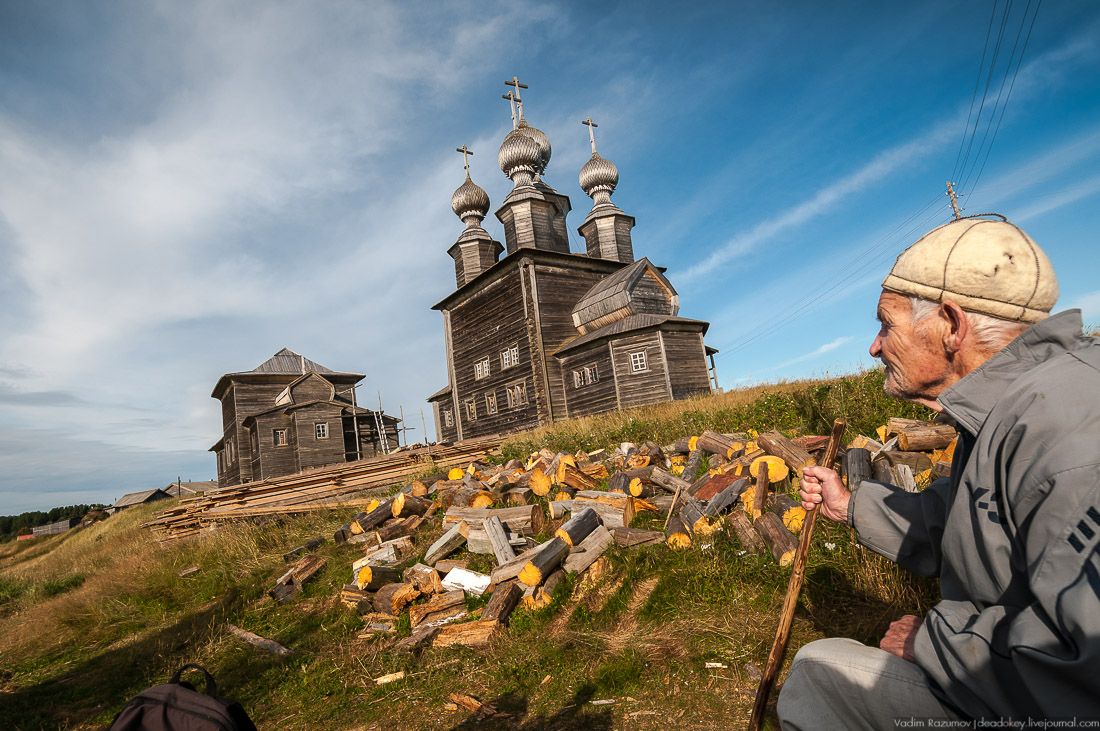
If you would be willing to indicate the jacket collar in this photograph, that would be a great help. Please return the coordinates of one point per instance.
(971, 399)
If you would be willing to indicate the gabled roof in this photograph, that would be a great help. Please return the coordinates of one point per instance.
(136, 498)
(632, 323)
(284, 363)
(441, 392)
(614, 292)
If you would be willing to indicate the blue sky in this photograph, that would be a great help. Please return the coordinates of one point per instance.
(174, 176)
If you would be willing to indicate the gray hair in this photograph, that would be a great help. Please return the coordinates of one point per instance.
(990, 333)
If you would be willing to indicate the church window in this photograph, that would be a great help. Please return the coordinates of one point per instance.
(590, 374)
(448, 418)
(471, 409)
(278, 437)
(517, 394)
(638, 361)
(491, 403)
(578, 379)
(320, 430)
(229, 452)
(254, 439)
(509, 357)
(481, 368)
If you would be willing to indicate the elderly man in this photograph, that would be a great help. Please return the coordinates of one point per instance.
(1013, 534)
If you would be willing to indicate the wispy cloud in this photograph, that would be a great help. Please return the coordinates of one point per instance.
(825, 200)
(827, 347)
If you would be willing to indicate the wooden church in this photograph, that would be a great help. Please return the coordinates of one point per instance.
(544, 333)
(289, 414)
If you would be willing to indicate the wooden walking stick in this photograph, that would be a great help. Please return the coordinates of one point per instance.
(790, 601)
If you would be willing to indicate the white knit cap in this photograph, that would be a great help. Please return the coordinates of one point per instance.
(984, 266)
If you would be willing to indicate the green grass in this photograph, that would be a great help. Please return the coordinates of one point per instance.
(91, 618)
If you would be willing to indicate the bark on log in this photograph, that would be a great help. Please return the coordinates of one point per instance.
(782, 544)
(726, 499)
(392, 598)
(926, 439)
(590, 549)
(471, 497)
(918, 461)
(746, 534)
(542, 564)
(882, 471)
(511, 570)
(518, 496)
(447, 543)
(405, 505)
(558, 508)
(505, 598)
(419, 637)
(526, 519)
(443, 565)
(790, 512)
(470, 634)
(578, 480)
(255, 640)
(668, 481)
(691, 514)
(627, 537)
(677, 534)
(896, 425)
(778, 445)
(857, 464)
(577, 528)
(760, 489)
(400, 528)
(308, 546)
(692, 465)
(543, 595)
(373, 578)
(905, 480)
(715, 443)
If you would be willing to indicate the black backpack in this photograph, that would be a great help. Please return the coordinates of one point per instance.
(177, 706)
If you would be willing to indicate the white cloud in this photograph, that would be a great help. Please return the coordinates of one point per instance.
(820, 351)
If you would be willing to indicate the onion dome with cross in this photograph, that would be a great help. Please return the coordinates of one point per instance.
(598, 177)
(517, 157)
(470, 202)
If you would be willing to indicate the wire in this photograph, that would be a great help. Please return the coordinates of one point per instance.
(977, 83)
(1010, 86)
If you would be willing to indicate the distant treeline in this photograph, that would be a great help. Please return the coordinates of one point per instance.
(16, 525)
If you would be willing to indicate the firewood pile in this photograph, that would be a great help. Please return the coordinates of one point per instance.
(324, 488)
(583, 503)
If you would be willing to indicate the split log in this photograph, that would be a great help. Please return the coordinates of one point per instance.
(682, 445)
(558, 508)
(373, 578)
(677, 534)
(789, 511)
(400, 528)
(662, 503)
(352, 596)
(442, 605)
(539, 566)
(255, 640)
(343, 533)
(471, 634)
(471, 581)
(627, 537)
(857, 465)
(471, 497)
(777, 468)
(518, 496)
(405, 505)
(578, 480)
(478, 541)
(862, 442)
(498, 538)
(691, 514)
(419, 637)
(621, 480)
(424, 578)
(392, 598)
(448, 542)
(526, 519)
(565, 493)
(511, 570)
(941, 469)
(882, 471)
(417, 488)
(381, 513)
(715, 443)
(778, 445)
(590, 549)
(905, 480)
(782, 544)
(896, 425)
(444, 565)
(504, 600)
(577, 528)
(668, 481)
(746, 534)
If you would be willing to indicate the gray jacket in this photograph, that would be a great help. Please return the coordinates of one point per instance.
(1014, 535)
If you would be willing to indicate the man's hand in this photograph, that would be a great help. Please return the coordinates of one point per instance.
(900, 637)
(822, 486)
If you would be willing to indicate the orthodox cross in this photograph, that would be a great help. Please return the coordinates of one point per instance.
(517, 86)
(591, 134)
(465, 158)
(954, 202)
(511, 98)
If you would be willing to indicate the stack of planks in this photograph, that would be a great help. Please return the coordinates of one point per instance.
(328, 488)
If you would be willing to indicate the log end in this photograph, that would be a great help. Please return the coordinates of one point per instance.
(679, 541)
(564, 536)
(530, 575)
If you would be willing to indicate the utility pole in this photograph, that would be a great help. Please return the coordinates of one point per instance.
(954, 201)
(423, 425)
(404, 428)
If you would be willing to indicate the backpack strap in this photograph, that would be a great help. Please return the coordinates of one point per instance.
(211, 687)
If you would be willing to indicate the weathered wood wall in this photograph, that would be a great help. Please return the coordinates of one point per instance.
(637, 388)
(592, 398)
(687, 363)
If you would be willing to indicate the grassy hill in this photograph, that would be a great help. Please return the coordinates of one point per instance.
(90, 618)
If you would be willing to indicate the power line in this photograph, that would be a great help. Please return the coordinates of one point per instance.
(974, 95)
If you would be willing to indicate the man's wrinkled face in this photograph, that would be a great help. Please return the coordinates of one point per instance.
(917, 368)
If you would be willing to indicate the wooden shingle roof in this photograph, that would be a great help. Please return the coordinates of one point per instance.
(630, 324)
(611, 297)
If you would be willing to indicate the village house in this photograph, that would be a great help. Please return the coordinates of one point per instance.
(289, 414)
(544, 333)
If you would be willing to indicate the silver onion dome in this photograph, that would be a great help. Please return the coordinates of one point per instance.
(598, 178)
(540, 139)
(520, 157)
(470, 202)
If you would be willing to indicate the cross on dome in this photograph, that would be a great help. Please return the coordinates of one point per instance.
(591, 135)
(466, 152)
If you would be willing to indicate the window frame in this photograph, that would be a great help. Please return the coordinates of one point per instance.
(509, 357)
(448, 418)
(514, 387)
(639, 361)
(490, 403)
(482, 369)
(279, 437)
(471, 409)
(320, 430)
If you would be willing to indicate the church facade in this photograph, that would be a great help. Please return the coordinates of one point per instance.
(289, 414)
(545, 334)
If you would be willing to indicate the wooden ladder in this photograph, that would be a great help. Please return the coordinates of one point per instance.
(381, 427)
